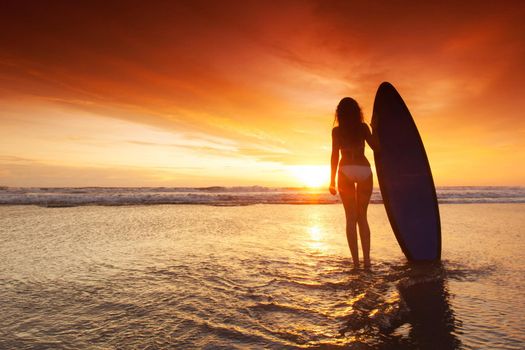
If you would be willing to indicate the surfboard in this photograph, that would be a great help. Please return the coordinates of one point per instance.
(405, 177)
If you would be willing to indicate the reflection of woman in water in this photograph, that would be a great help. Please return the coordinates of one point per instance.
(354, 179)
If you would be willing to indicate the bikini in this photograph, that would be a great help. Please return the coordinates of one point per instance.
(356, 173)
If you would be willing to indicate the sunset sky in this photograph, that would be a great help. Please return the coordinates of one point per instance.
(203, 93)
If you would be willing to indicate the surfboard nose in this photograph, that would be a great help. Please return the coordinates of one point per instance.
(385, 85)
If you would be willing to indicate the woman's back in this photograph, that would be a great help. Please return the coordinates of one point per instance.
(351, 142)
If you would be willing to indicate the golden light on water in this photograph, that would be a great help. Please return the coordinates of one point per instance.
(316, 241)
(315, 233)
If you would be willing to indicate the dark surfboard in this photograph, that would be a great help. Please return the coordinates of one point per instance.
(405, 178)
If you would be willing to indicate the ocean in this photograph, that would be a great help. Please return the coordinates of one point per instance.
(231, 196)
(247, 268)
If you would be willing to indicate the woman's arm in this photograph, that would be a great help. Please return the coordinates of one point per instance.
(334, 160)
(371, 138)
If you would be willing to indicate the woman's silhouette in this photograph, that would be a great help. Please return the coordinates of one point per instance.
(354, 179)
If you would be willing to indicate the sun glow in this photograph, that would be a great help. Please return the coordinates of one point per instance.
(312, 175)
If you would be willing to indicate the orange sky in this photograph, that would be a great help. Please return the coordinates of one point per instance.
(201, 93)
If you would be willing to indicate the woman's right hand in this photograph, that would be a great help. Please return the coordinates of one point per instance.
(332, 189)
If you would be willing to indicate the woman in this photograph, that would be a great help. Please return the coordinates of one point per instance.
(354, 179)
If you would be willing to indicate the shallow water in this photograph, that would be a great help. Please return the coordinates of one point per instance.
(260, 276)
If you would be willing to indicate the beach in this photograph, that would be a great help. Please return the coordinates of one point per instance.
(171, 175)
(274, 276)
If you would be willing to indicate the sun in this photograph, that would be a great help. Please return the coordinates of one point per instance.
(311, 175)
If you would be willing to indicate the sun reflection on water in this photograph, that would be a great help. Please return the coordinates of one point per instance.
(315, 233)
(316, 241)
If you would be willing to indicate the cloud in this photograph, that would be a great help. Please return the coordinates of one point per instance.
(16, 160)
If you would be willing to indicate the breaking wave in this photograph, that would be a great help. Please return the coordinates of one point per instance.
(226, 196)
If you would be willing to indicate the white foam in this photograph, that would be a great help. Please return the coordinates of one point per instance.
(239, 195)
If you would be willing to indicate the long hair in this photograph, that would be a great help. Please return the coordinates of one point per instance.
(348, 116)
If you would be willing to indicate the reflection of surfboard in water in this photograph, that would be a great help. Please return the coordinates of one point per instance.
(405, 178)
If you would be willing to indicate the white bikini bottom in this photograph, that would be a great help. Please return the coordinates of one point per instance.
(356, 173)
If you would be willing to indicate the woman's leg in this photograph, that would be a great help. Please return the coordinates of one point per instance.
(364, 191)
(348, 197)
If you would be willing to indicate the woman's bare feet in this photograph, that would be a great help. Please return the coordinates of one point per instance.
(367, 264)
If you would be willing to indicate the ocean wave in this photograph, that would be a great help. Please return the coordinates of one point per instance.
(226, 196)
